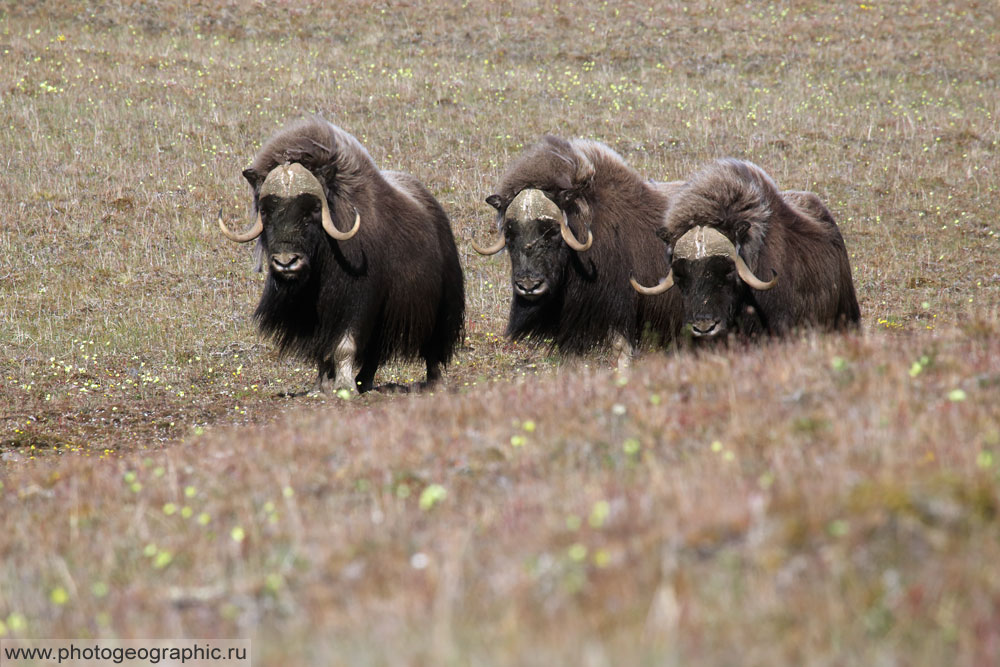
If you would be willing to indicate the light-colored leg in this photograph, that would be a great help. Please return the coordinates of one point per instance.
(344, 361)
(623, 351)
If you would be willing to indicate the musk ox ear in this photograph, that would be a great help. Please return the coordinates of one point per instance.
(742, 230)
(325, 174)
(663, 234)
(563, 198)
(495, 201)
(253, 178)
(568, 193)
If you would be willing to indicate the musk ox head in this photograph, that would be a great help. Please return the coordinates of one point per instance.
(712, 278)
(536, 233)
(293, 216)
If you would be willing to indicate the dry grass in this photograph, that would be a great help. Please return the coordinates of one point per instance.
(830, 500)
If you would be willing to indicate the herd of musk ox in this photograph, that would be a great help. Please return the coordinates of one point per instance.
(362, 265)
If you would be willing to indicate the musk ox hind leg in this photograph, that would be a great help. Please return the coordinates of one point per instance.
(433, 374)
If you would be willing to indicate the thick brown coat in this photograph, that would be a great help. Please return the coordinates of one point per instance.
(395, 288)
(791, 234)
(590, 302)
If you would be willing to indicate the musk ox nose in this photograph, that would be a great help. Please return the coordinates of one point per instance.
(287, 263)
(706, 327)
(530, 288)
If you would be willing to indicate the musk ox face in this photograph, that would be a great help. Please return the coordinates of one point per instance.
(292, 232)
(536, 233)
(712, 277)
(709, 288)
(293, 210)
(703, 266)
(537, 253)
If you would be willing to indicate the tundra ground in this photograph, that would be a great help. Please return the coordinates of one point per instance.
(829, 499)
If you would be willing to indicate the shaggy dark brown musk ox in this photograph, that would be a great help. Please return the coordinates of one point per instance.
(577, 222)
(362, 265)
(749, 259)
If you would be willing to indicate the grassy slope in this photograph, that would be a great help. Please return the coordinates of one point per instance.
(846, 511)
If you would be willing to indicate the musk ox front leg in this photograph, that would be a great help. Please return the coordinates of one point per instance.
(344, 358)
(623, 350)
(324, 379)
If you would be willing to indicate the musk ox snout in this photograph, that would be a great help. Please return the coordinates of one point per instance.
(531, 287)
(288, 265)
(707, 328)
(710, 292)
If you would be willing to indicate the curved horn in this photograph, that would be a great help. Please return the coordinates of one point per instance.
(491, 250)
(659, 288)
(254, 232)
(749, 278)
(570, 240)
(329, 227)
(292, 179)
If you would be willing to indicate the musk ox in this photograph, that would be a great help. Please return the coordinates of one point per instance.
(748, 259)
(577, 222)
(361, 264)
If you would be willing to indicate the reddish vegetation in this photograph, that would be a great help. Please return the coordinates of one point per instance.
(832, 492)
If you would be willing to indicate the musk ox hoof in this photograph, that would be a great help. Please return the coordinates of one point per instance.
(326, 386)
(411, 388)
(293, 394)
(394, 388)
